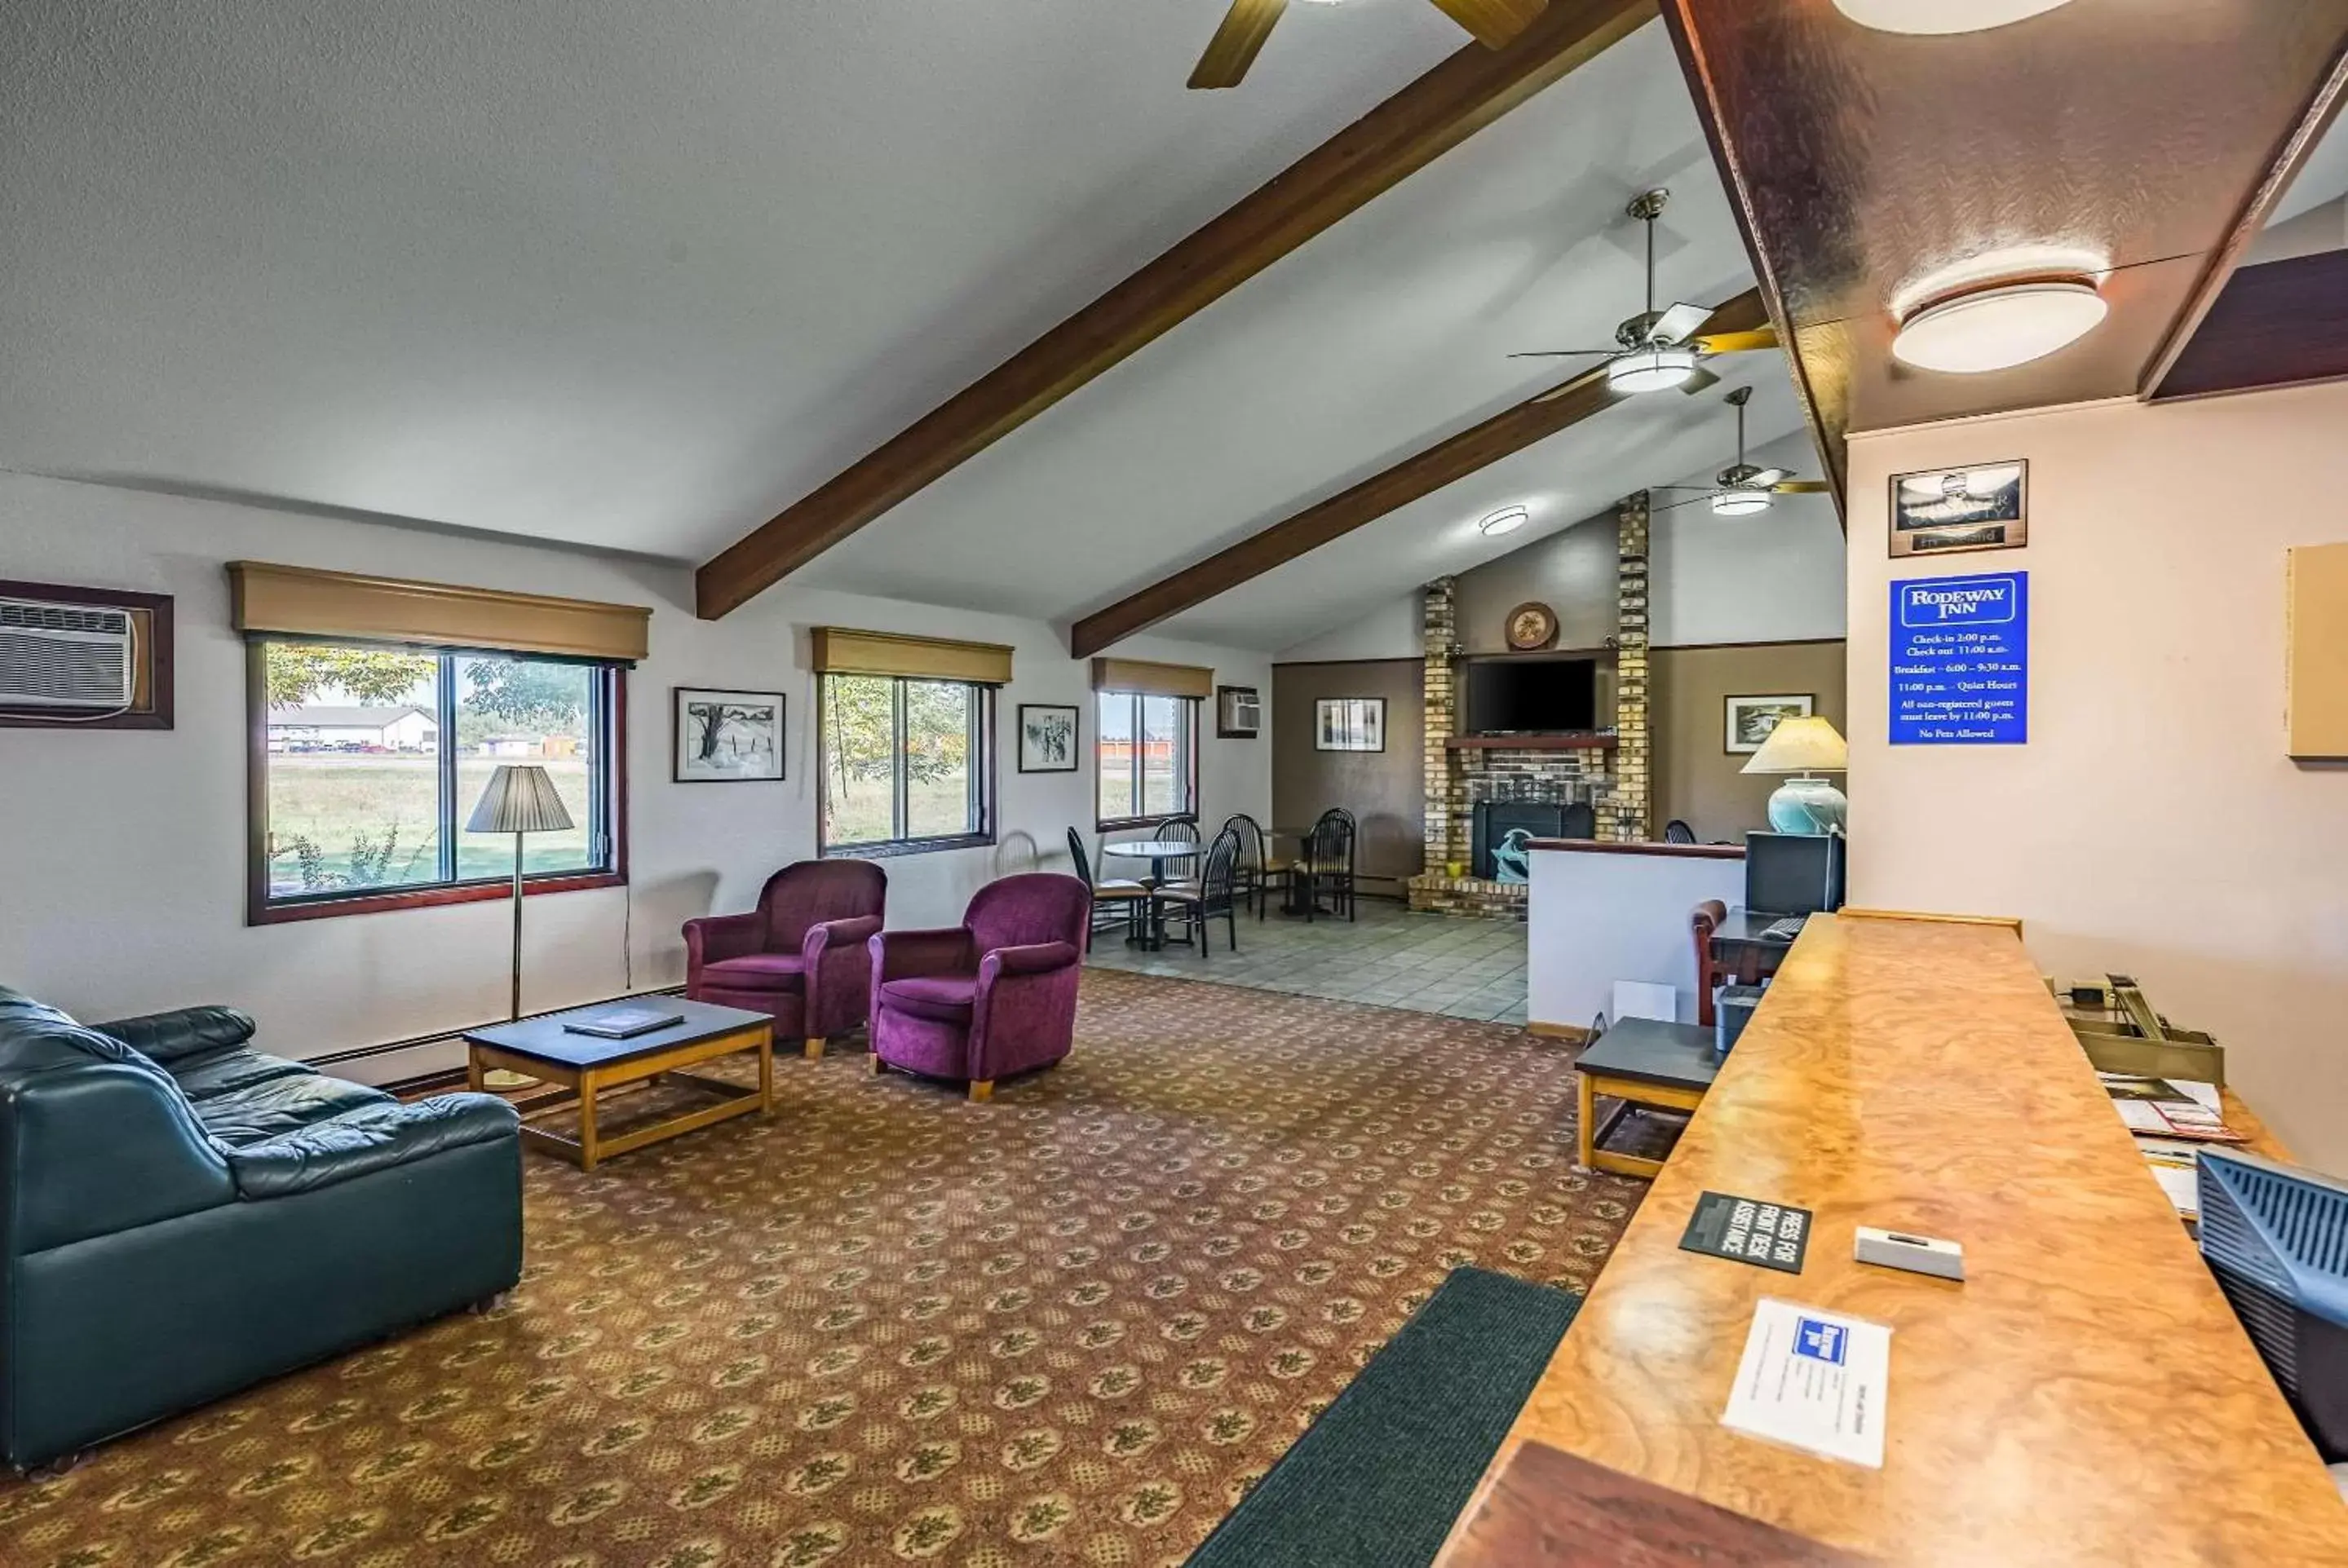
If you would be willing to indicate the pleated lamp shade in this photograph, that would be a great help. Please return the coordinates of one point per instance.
(520, 799)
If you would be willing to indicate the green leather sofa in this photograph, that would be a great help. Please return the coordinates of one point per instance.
(182, 1217)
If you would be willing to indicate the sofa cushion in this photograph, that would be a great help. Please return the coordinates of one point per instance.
(278, 1105)
(225, 1072)
(948, 998)
(757, 972)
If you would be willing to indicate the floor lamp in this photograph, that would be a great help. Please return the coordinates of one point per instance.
(520, 799)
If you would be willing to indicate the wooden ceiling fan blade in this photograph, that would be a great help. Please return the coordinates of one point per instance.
(1736, 343)
(1493, 23)
(1802, 487)
(1236, 43)
(1702, 380)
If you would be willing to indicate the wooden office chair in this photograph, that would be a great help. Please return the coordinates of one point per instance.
(1703, 921)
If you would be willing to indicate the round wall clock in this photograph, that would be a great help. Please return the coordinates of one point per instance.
(1532, 625)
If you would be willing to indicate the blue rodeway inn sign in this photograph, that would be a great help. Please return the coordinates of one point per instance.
(1960, 660)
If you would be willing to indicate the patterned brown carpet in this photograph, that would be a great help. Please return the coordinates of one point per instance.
(1071, 1326)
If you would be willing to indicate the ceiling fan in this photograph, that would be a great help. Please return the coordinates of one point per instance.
(1655, 351)
(1741, 489)
(1233, 48)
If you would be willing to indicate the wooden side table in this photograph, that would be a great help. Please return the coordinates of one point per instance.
(582, 1066)
(1640, 1061)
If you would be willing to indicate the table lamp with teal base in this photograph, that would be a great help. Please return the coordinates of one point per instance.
(1805, 802)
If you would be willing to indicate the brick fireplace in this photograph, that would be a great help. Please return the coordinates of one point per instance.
(1600, 781)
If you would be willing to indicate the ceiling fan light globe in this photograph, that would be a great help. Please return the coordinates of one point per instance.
(1739, 503)
(1941, 17)
(1650, 369)
(1999, 327)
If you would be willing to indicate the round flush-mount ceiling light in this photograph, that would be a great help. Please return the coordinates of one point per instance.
(1996, 326)
(1650, 369)
(1507, 520)
(1939, 17)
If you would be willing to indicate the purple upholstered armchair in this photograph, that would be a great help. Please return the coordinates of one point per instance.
(799, 955)
(992, 996)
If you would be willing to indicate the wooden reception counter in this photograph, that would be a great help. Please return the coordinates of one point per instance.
(2084, 1396)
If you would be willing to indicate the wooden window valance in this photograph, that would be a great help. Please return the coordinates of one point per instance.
(297, 602)
(842, 651)
(1152, 680)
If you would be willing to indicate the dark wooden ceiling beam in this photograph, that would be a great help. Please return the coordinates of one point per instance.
(1476, 447)
(1467, 92)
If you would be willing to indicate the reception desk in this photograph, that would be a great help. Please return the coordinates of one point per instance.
(2085, 1396)
(1599, 913)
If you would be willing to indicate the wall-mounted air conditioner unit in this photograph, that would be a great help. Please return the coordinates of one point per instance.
(63, 656)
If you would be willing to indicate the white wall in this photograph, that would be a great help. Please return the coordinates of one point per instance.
(2152, 826)
(125, 849)
(1393, 628)
(1776, 577)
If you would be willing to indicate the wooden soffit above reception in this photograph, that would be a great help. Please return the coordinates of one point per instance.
(2139, 142)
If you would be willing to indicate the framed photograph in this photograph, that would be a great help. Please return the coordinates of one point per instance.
(1750, 719)
(1945, 510)
(1350, 725)
(1239, 714)
(727, 737)
(1047, 739)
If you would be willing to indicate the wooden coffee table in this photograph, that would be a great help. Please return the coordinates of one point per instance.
(582, 1066)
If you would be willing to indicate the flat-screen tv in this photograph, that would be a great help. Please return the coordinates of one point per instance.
(1532, 696)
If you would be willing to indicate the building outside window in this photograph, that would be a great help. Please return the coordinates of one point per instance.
(1145, 757)
(371, 757)
(907, 763)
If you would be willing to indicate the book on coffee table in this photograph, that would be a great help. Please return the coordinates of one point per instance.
(623, 1023)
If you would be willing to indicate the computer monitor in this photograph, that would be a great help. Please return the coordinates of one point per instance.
(1792, 873)
(2276, 1236)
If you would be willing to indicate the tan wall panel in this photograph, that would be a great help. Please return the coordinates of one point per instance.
(2315, 675)
(300, 602)
(1386, 791)
(1697, 779)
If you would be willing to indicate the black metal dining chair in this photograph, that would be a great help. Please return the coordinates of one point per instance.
(1121, 899)
(1251, 873)
(1328, 864)
(1678, 832)
(1181, 828)
(1213, 894)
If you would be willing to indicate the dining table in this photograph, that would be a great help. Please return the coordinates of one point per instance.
(1297, 892)
(1157, 852)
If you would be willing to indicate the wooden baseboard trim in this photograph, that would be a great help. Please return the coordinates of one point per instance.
(1572, 1033)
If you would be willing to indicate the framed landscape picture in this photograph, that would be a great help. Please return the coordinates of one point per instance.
(1048, 738)
(1943, 511)
(1350, 725)
(727, 737)
(1750, 719)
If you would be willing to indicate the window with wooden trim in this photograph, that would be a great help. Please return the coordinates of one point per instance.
(908, 764)
(367, 758)
(1145, 757)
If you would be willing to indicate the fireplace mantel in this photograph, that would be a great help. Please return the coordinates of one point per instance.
(1592, 741)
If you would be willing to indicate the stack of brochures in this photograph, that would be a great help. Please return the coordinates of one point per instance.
(2171, 1118)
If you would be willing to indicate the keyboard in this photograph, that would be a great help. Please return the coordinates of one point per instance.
(1784, 931)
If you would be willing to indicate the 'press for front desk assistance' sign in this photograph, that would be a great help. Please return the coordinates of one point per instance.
(1960, 660)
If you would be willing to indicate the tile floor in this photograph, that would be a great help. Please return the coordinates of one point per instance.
(1389, 957)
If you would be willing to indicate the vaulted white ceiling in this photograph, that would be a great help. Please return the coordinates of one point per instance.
(634, 277)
